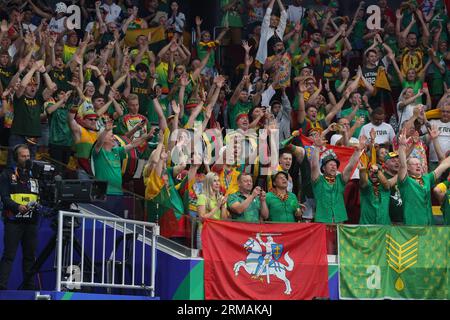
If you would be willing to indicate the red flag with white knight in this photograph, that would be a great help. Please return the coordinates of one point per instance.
(247, 261)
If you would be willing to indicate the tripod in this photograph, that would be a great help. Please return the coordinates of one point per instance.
(50, 247)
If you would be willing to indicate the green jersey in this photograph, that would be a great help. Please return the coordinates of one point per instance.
(60, 133)
(330, 207)
(108, 167)
(251, 214)
(417, 200)
(374, 204)
(202, 51)
(359, 113)
(282, 211)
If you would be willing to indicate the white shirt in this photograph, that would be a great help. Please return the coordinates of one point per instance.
(28, 27)
(384, 132)
(443, 139)
(178, 22)
(113, 11)
(295, 14)
(57, 26)
(267, 32)
(405, 114)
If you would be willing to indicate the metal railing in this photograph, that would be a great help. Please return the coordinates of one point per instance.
(125, 232)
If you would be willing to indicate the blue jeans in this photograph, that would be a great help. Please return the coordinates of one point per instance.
(15, 140)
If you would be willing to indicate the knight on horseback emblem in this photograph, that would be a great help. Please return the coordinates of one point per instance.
(264, 263)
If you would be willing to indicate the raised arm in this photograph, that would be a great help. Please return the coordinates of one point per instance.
(315, 158)
(336, 108)
(391, 56)
(346, 174)
(38, 11)
(425, 31)
(443, 166)
(239, 88)
(160, 113)
(403, 171)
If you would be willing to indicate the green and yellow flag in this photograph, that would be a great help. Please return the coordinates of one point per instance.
(387, 262)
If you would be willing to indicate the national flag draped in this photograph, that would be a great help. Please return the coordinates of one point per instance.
(238, 255)
(164, 203)
(343, 153)
(131, 35)
(378, 262)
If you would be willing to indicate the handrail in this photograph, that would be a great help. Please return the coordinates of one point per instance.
(66, 240)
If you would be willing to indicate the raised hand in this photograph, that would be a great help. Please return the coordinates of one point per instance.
(246, 46)
(362, 143)
(318, 141)
(175, 107)
(219, 81)
(398, 14)
(198, 21)
(246, 79)
(302, 87)
(38, 64)
(67, 95)
(402, 140)
(327, 85)
(373, 135)
(184, 80)
(433, 132)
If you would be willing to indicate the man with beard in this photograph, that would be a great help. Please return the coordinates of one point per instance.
(415, 188)
(19, 193)
(279, 64)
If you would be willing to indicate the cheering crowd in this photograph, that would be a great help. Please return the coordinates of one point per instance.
(357, 119)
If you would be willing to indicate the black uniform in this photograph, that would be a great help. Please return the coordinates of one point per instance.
(17, 187)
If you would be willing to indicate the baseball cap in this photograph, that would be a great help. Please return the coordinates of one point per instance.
(390, 155)
(90, 114)
(276, 173)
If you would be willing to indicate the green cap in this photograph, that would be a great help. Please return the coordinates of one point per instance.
(390, 155)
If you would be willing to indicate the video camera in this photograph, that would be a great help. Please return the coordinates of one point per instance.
(55, 192)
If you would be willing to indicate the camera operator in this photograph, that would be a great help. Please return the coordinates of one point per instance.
(20, 195)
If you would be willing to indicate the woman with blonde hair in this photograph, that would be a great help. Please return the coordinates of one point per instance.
(211, 204)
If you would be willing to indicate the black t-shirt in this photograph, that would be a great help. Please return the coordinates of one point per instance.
(395, 203)
(27, 116)
(6, 74)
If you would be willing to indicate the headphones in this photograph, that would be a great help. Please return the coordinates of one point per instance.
(16, 151)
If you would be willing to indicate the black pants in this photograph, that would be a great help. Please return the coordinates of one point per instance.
(62, 156)
(16, 233)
